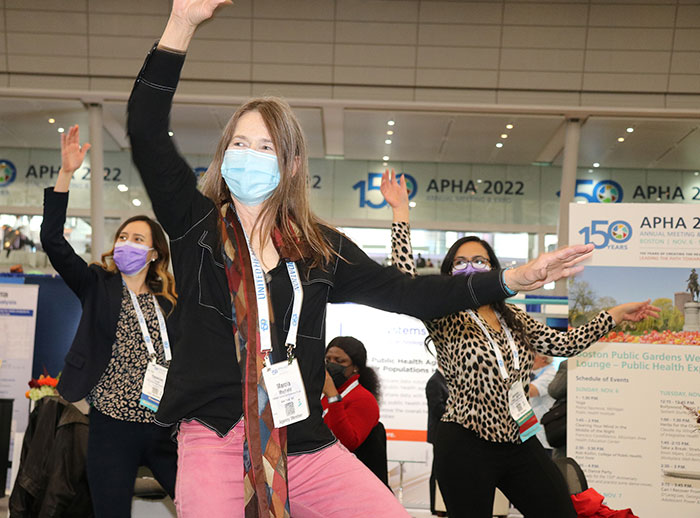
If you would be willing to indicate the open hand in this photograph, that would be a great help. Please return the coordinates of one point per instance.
(194, 12)
(72, 153)
(548, 267)
(634, 311)
(395, 192)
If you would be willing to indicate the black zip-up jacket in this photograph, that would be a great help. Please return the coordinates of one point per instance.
(100, 294)
(204, 381)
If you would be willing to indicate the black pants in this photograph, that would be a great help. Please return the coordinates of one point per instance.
(116, 449)
(469, 469)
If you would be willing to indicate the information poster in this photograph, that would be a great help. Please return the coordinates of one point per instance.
(17, 326)
(634, 397)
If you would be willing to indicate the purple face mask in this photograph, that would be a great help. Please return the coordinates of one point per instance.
(462, 267)
(130, 257)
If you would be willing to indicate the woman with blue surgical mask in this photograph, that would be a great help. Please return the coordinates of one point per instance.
(487, 356)
(255, 269)
(121, 350)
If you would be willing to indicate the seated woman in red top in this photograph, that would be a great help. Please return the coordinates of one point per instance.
(351, 403)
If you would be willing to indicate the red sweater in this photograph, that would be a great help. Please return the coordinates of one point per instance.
(353, 418)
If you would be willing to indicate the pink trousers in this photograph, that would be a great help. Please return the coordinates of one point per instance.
(329, 483)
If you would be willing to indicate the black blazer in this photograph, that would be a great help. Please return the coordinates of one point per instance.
(100, 294)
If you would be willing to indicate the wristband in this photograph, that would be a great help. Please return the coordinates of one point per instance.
(503, 281)
(335, 399)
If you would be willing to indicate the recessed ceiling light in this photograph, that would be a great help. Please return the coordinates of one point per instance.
(504, 135)
(387, 141)
(61, 130)
(390, 122)
(385, 158)
(620, 139)
(122, 187)
(136, 202)
(590, 170)
(499, 144)
(411, 204)
(596, 164)
(385, 163)
(696, 173)
(509, 126)
(51, 120)
(389, 132)
(171, 133)
(630, 130)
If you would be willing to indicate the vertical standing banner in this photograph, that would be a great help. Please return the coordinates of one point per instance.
(17, 326)
(634, 397)
(396, 351)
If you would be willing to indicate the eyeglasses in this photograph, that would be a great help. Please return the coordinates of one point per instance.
(478, 263)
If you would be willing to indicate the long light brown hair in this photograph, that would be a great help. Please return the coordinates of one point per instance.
(159, 279)
(287, 209)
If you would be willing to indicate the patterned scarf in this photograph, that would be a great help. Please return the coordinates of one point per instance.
(265, 447)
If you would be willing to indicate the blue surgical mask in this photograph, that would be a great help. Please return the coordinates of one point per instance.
(251, 176)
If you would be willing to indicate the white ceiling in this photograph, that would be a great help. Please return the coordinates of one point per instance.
(424, 136)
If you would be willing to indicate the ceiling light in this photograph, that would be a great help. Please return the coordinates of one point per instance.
(136, 202)
(51, 120)
(499, 144)
(620, 139)
(509, 126)
(387, 141)
(590, 170)
(61, 130)
(389, 132)
(385, 158)
(630, 130)
(411, 204)
(696, 173)
(385, 163)
(390, 122)
(122, 187)
(504, 135)
(596, 164)
(171, 133)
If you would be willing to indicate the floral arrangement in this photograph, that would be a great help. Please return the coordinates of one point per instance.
(45, 385)
(655, 337)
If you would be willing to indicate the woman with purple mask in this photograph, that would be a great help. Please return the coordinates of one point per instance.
(486, 438)
(120, 353)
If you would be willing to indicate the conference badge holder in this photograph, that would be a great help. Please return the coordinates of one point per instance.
(153, 386)
(522, 412)
(285, 388)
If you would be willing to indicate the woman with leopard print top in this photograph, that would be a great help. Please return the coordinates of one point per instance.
(487, 357)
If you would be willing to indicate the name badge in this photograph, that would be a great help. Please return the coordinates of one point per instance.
(285, 388)
(521, 411)
(153, 386)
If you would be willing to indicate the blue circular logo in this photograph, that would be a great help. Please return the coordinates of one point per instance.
(8, 172)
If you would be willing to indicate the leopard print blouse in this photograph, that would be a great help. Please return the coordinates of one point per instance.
(478, 394)
(118, 392)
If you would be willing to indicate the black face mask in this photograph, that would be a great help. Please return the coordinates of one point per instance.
(337, 373)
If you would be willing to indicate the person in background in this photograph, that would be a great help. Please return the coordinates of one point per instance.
(436, 393)
(351, 403)
(486, 438)
(557, 391)
(121, 345)
(542, 375)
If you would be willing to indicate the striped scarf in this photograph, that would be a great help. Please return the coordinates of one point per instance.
(265, 447)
